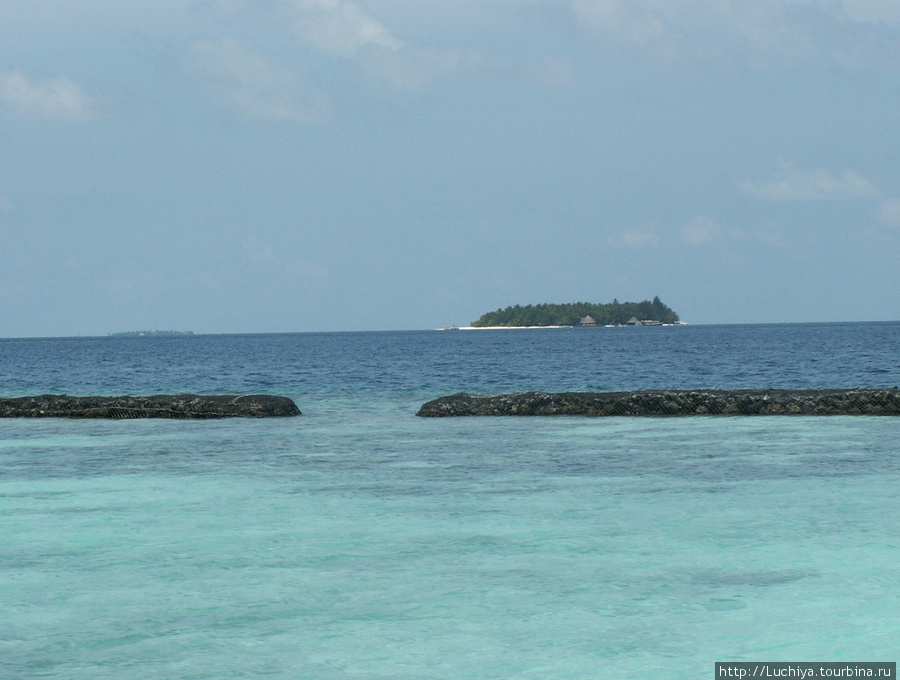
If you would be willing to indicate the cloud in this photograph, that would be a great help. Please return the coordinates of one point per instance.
(701, 231)
(258, 251)
(553, 72)
(873, 11)
(254, 86)
(340, 27)
(758, 34)
(415, 67)
(54, 98)
(811, 185)
(621, 21)
(889, 212)
(343, 30)
(634, 238)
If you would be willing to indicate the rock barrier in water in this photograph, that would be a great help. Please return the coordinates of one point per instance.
(156, 406)
(876, 402)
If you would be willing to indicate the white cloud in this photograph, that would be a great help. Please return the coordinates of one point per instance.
(622, 21)
(701, 231)
(811, 185)
(54, 98)
(413, 67)
(341, 27)
(251, 84)
(348, 31)
(257, 251)
(634, 238)
(761, 33)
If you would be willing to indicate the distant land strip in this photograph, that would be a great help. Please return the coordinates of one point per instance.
(156, 406)
(822, 402)
(150, 334)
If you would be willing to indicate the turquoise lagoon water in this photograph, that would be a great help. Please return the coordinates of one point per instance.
(359, 541)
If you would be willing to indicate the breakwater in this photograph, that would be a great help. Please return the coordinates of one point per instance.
(882, 402)
(156, 406)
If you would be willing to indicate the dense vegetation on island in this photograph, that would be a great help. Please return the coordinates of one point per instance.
(572, 313)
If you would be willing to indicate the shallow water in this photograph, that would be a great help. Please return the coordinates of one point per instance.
(358, 541)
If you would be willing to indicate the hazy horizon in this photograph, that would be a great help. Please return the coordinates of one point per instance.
(186, 332)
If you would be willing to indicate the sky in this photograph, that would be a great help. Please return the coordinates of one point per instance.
(332, 165)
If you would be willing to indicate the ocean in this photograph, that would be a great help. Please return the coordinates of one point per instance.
(359, 541)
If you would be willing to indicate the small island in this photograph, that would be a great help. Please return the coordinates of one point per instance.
(150, 334)
(615, 313)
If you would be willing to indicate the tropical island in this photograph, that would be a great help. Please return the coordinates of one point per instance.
(615, 313)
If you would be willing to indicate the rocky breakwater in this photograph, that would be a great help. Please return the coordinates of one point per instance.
(156, 406)
(876, 402)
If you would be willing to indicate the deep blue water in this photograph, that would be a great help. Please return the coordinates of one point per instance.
(428, 363)
(359, 541)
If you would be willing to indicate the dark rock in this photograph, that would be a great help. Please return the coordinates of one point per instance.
(882, 402)
(156, 406)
